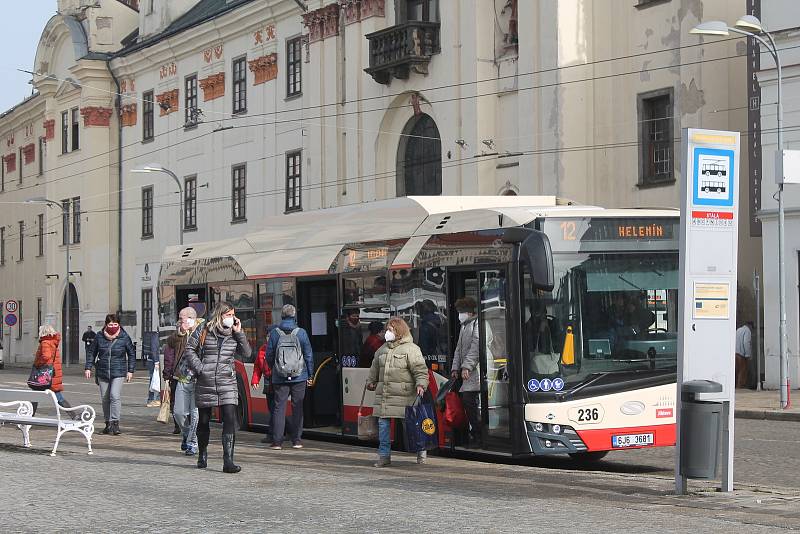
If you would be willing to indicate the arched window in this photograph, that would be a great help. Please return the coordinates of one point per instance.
(419, 158)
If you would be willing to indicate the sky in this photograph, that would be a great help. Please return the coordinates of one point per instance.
(19, 37)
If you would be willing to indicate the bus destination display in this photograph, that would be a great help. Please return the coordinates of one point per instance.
(570, 233)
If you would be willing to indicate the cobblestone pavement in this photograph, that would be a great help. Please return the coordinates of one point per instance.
(139, 481)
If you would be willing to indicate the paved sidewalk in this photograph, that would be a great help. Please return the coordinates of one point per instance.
(751, 404)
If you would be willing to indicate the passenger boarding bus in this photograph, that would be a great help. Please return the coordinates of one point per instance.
(577, 307)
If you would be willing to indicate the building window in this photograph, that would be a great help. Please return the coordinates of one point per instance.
(75, 129)
(148, 101)
(65, 221)
(21, 164)
(42, 144)
(422, 10)
(40, 222)
(148, 7)
(147, 310)
(147, 211)
(64, 132)
(294, 184)
(21, 241)
(2, 245)
(239, 193)
(3, 175)
(190, 203)
(76, 220)
(240, 85)
(294, 66)
(419, 158)
(190, 100)
(656, 137)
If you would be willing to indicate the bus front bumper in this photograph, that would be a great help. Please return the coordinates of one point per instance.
(546, 438)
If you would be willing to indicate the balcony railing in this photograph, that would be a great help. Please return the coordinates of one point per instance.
(396, 51)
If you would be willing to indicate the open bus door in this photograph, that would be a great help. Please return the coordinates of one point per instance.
(316, 312)
(488, 286)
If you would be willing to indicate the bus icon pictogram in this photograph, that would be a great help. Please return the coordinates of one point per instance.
(708, 186)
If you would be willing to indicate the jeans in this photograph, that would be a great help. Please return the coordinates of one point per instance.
(151, 395)
(111, 395)
(185, 408)
(282, 393)
(384, 437)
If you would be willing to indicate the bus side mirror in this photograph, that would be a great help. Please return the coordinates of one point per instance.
(536, 252)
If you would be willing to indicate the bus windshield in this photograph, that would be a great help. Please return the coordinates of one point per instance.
(606, 313)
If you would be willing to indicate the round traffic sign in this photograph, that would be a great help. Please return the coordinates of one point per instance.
(11, 319)
(12, 306)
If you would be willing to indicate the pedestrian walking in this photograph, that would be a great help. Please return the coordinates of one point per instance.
(744, 352)
(88, 338)
(210, 353)
(114, 360)
(291, 358)
(398, 376)
(48, 353)
(184, 408)
(465, 365)
(152, 357)
(261, 369)
(168, 375)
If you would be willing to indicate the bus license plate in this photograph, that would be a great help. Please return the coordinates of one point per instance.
(632, 440)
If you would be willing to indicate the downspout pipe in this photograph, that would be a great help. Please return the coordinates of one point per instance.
(118, 106)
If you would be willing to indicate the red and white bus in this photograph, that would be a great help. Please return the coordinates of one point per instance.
(577, 310)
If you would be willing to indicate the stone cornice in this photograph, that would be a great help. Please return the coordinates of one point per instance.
(179, 47)
(264, 68)
(213, 86)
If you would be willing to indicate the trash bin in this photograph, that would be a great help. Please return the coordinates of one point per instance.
(700, 429)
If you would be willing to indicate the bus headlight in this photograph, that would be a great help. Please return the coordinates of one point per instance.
(538, 427)
(556, 429)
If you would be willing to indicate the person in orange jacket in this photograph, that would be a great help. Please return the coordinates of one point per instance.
(48, 354)
(260, 368)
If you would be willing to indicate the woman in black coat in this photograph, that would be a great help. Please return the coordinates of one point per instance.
(114, 360)
(210, 354)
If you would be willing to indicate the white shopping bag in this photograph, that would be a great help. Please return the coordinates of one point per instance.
(155, 380)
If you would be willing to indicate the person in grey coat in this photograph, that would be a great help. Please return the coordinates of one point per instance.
(210, 354)
(466, 365)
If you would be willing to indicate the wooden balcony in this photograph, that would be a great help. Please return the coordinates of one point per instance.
(398, 50)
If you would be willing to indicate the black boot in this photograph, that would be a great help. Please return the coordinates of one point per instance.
(202, 449)
(107, 429)
(115, 428)
(228, 442)
(176, 429)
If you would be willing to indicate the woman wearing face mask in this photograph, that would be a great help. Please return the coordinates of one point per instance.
(465, 364)
(398, 375)
(114, 359)
(210, 353)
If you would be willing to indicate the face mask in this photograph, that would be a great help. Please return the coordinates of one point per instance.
(389, 336)
(462, 317)
(189, 323)
(112, 330)
(227, 322)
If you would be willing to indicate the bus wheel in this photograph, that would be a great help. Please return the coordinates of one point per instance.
(241, 411)
(588, 457)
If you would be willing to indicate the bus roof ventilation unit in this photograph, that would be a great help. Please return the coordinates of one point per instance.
(444, 221)
(187, 252)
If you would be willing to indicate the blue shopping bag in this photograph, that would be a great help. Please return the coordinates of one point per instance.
(420, 427)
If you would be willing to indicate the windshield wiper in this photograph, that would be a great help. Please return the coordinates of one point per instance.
(582, 385)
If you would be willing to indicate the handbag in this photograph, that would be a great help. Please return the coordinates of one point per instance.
(453, 384)
(454, 414)
(163, 413)
(545, 364)
(41, 378)
(420, 427)
(367, 424)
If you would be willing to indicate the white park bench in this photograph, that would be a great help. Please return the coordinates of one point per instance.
(16, 408)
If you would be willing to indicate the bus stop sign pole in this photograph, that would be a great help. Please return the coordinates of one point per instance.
(707, 316)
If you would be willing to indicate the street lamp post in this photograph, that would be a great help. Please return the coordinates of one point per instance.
(750, 26)
(158, 168)
(64, 215)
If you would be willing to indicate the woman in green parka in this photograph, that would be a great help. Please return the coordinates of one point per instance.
(398, 375)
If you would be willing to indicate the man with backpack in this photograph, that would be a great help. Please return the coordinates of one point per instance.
(291, 359)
